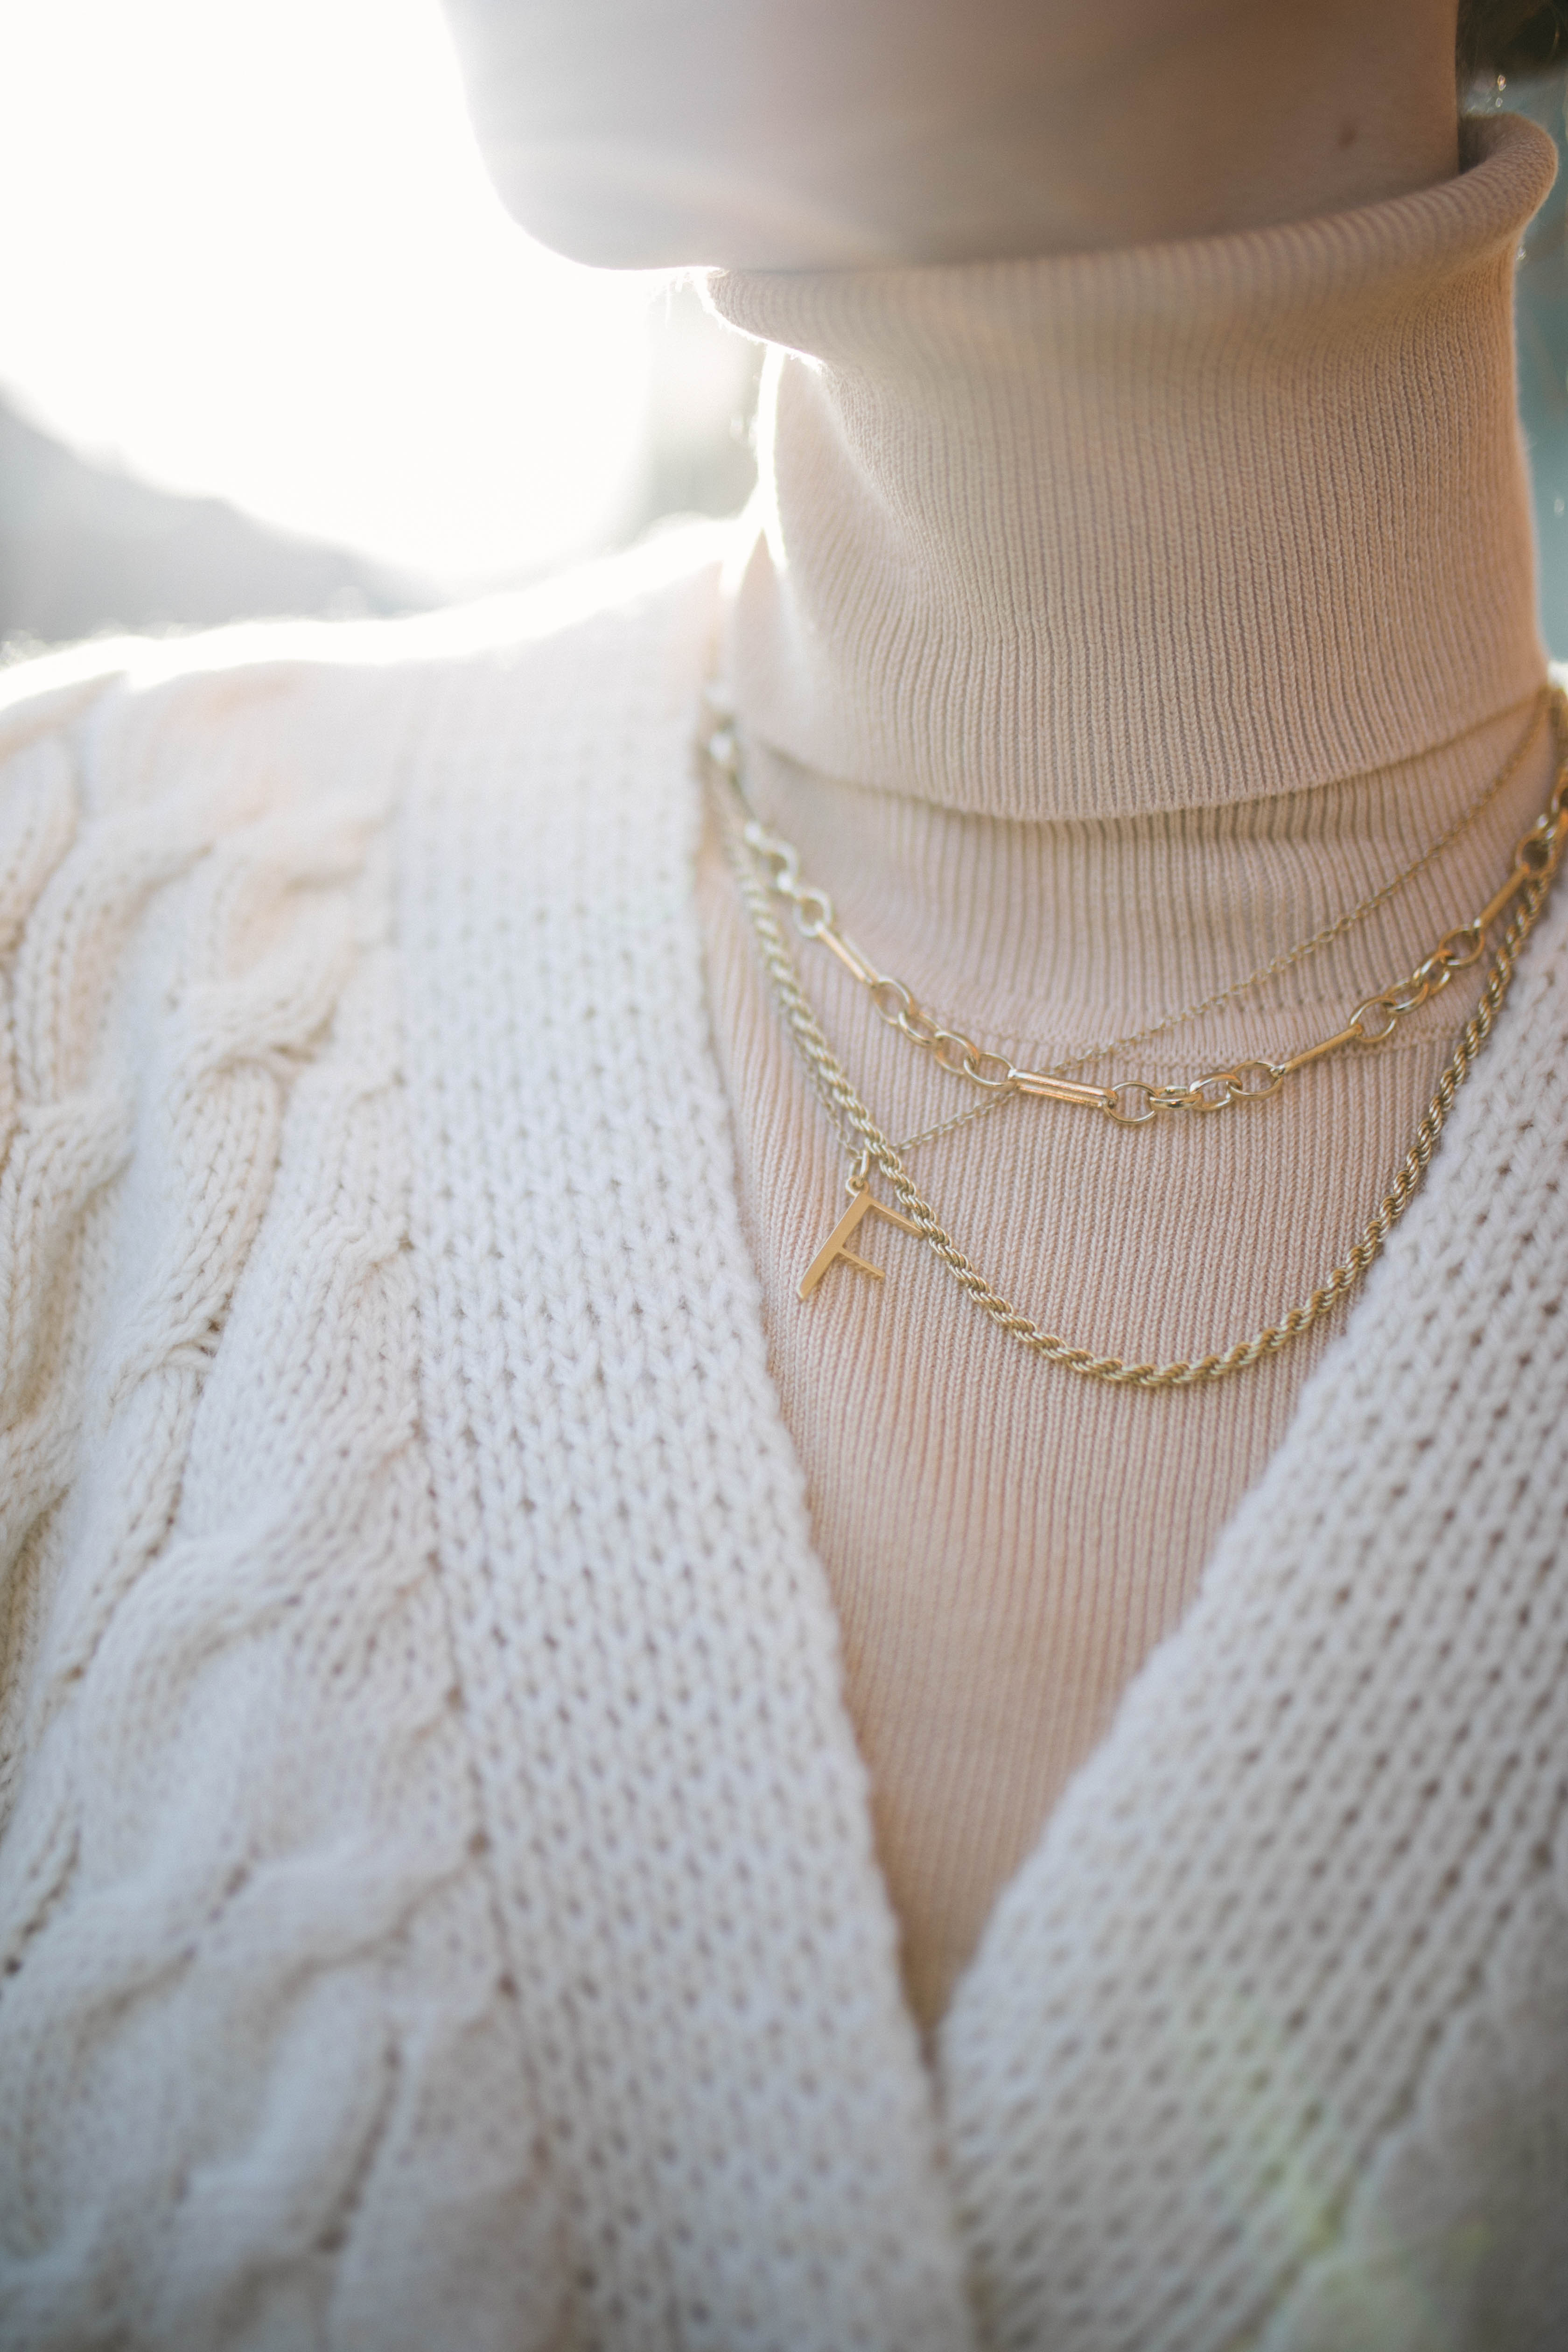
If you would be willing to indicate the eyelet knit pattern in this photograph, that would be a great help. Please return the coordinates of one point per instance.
(437, 1901)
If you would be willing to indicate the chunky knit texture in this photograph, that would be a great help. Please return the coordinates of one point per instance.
(411, 1940)
(439, 1899)
(437, 1894)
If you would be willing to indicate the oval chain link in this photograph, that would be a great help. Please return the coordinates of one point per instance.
(1137, 1102)
(1535, 867)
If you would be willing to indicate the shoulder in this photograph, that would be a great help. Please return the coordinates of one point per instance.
(156, 794)
(277, 713)
(199, 838)
(203, 916)
(200, 861)
(227, 1676)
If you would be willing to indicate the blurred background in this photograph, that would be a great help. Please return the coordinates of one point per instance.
(269, 345)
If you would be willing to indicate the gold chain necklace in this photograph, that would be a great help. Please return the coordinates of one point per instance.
(1137, 1101)
(1520, 899)
(1288, 957)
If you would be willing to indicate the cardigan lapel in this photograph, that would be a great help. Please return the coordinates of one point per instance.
(701, 1945)
(1206, 2008)
(1206, 1998)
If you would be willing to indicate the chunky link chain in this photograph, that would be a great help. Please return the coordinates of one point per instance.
(1105, 1048)
(1521, 898)
(1138, 1101)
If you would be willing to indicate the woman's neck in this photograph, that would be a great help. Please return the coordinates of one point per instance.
(1167, 528)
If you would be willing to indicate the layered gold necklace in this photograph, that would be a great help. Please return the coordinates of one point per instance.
(767, 869)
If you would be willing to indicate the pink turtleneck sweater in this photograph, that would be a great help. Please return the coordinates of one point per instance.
(1112, 624)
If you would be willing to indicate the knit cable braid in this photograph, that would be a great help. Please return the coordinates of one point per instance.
(218, 1538)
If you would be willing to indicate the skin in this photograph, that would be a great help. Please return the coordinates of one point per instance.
(797, 134)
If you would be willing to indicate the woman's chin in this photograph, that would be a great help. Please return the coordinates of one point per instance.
(615, 207)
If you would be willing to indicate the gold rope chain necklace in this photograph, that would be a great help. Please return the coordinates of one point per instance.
(750, 847)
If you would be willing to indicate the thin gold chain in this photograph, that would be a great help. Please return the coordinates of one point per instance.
(1522, 899)
(1540, 704)
(1135, 1102)
(980, 1109)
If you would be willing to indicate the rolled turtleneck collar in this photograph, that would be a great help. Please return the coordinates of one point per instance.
(1183, 525)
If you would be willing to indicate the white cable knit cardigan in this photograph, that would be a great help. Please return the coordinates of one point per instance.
(438, 1904)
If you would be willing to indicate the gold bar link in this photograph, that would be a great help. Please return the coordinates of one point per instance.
(1536, 859)
(1063, 1091)
(1304, 1060)
(850, 957)
(1502, 899)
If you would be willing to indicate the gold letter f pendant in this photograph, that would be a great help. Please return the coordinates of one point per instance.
(836, 1246)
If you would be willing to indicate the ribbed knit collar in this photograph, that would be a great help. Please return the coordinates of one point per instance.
(1175, 526)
